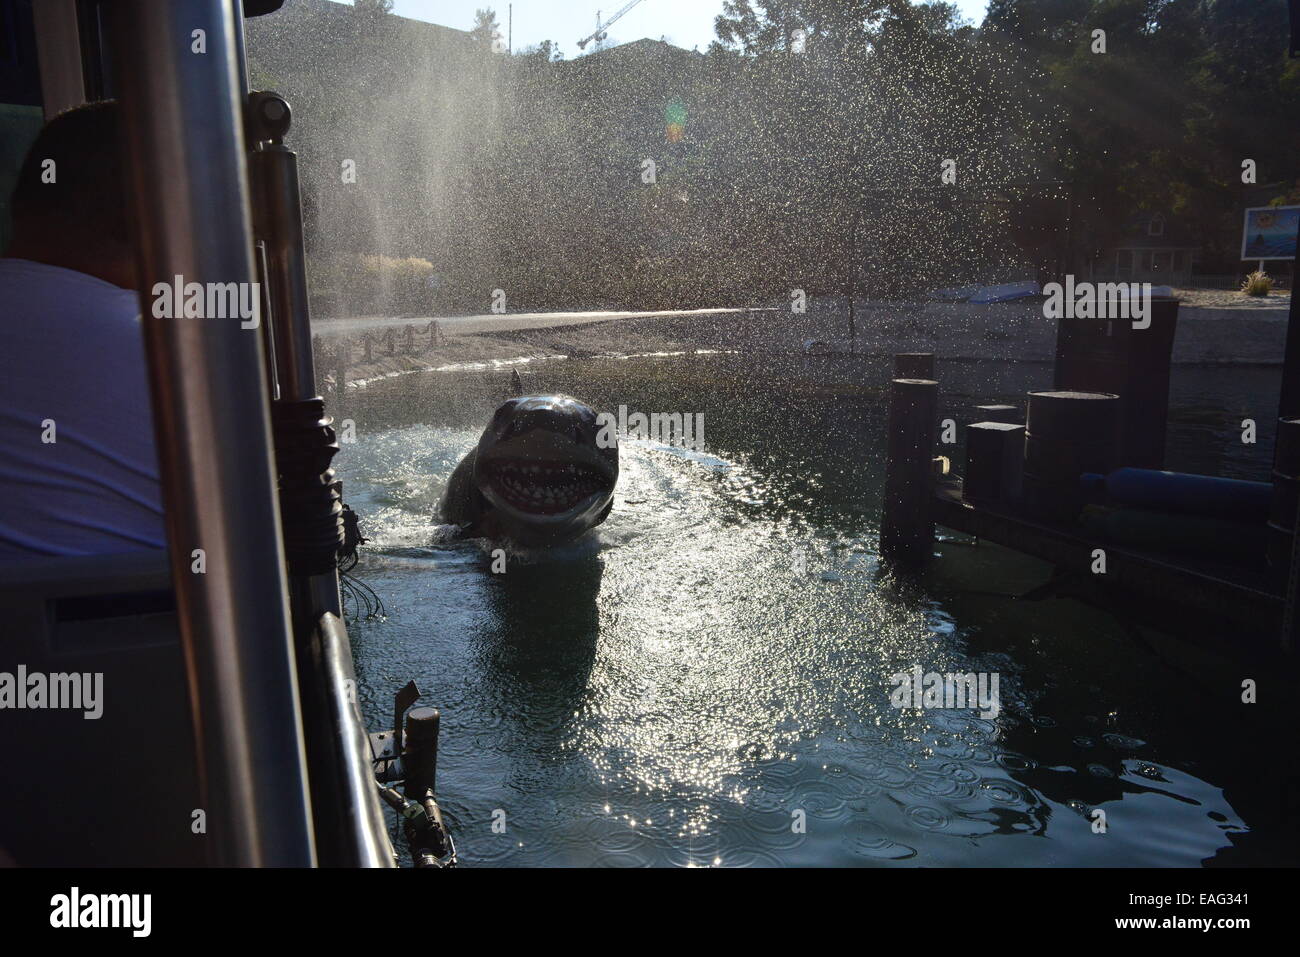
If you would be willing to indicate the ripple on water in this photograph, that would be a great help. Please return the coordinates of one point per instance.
(695, 848)
(936, 783)
(777, 781)
(487, 848)
(751, 857)
(636, 857)
(927, 818)
(1008, 793)
(1016, 762)
(1150, 771)
(847, 784)
(774, 830)
(959, 773)
(868, 840)
(621, 837)
(1080, 808)
(820, 800)
(889, 775)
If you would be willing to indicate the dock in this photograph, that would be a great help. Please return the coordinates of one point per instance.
(1023, 487)
(1220, 592)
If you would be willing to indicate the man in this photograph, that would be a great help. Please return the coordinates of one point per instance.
(78, 472)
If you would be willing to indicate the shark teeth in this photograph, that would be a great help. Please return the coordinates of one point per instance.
(545, 488)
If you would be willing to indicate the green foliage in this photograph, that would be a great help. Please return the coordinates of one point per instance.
(1186, 90)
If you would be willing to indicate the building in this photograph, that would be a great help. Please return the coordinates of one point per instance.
(1152, 247)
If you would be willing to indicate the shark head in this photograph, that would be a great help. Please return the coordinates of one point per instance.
(542, 471)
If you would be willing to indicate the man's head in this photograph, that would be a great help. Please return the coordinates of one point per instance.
(70, 205)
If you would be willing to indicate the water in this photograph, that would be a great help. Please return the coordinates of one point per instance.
(709, 671)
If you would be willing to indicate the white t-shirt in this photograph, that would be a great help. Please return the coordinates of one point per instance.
(72, 370)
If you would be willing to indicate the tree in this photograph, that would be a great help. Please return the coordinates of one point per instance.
(372, 9)
(486, 29)
(548, 51)
(766, 26)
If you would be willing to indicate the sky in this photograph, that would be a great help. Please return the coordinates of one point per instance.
(685, 23)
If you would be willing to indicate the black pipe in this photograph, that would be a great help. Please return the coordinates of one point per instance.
(420, 758)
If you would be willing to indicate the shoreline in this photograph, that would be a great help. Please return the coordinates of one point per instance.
(1006, 332)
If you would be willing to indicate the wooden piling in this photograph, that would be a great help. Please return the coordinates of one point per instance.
(995, 455)
(1109, 355)
(1009, 414)
(1067, 434)
(906, 521)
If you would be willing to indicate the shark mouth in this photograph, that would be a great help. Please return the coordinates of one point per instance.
(544, 488)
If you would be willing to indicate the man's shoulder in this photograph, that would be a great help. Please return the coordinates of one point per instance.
(43, 294)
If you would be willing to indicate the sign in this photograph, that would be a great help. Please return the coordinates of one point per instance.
(1270, 232)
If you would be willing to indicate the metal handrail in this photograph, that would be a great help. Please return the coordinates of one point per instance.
(182, 112)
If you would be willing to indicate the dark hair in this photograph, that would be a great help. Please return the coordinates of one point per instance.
(86, 203)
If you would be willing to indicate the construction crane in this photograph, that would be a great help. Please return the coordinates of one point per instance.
(602, 27)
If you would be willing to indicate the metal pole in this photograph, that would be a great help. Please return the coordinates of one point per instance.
(58, 55)
(185, 149)
(280, 227)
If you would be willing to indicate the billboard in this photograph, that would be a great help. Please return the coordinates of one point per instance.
(1270, 232)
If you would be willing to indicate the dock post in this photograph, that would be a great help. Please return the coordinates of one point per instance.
(1105, 355)
(995, 459)
(1067, 434)
(906, 522)
(1008, 414)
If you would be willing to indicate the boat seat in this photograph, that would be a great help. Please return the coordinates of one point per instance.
(120, 789)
